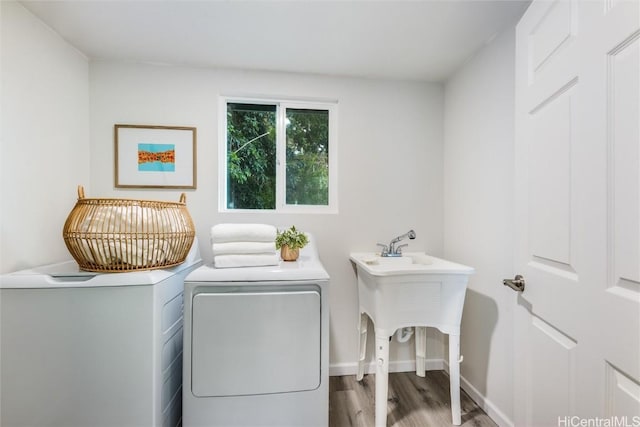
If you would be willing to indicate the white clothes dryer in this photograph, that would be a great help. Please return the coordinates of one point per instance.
(256, 345)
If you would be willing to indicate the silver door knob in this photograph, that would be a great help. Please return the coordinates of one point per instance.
(517, 283)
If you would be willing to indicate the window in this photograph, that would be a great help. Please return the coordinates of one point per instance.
(278, 156)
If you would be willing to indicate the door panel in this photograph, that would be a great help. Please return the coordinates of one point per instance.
(550, 168)
(622, 395)
(554, 353)
(624, 203)
(552, 32)
(578, 211)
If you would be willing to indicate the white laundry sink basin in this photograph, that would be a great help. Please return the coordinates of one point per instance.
(409, 263)
(418, 290)
(415, 289)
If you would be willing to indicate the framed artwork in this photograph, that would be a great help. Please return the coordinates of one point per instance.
(155, 156)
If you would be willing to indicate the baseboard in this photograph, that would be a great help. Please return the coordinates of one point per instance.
(340, 369)
(487, 405)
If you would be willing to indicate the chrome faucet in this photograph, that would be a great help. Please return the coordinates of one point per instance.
(391, 250)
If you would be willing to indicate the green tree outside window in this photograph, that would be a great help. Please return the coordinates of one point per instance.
(251, 156)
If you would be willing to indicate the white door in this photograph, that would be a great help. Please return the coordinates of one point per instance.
(577, 332)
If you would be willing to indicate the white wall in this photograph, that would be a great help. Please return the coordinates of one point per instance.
(391, 171)
(45, 132)
(390, 163)
(478, 216)
(391, 174)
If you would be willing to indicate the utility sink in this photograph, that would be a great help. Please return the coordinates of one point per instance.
(409, 263)
(414, 289)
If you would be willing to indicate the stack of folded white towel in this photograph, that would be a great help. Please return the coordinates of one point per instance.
(244, 245)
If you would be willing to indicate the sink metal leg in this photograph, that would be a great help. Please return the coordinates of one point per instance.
(362, 327)
(421, 350)
(382, 378)
(454, 378)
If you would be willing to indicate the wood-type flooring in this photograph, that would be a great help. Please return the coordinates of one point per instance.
(412, 402)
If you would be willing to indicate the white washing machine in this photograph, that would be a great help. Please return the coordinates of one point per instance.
(256, 348)
(85, 349)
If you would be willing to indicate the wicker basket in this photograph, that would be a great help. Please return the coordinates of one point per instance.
(120, 235)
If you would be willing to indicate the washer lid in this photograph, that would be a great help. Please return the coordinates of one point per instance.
(68, 275)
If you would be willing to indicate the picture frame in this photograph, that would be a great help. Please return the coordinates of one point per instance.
(149, 156)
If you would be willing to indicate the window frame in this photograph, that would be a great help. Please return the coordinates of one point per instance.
(281, 107)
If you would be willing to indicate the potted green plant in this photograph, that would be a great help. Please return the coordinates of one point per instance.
(289, 242)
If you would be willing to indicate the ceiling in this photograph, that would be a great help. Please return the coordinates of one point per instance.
(408, 40)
